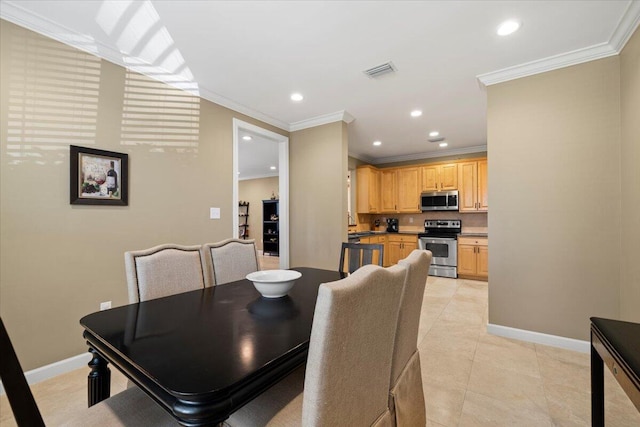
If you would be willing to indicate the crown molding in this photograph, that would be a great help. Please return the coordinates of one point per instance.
(430, 155)
(18, 15)
(247, 111)
(626, 26)
(339, 116)
(579, 56)
(362, 157)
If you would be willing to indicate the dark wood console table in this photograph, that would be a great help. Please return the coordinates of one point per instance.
(616, 344)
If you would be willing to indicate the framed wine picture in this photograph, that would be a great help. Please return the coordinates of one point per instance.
(98, 177)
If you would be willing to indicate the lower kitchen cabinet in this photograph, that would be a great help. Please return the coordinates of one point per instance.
(473, 258)
(398, 247)
(378, 240)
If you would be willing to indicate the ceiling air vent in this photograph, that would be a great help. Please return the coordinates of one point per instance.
(379, 70)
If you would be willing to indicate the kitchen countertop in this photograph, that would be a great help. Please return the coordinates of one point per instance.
(465, 233)
(376, 233)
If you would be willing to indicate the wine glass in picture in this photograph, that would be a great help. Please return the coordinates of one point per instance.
(100, 178)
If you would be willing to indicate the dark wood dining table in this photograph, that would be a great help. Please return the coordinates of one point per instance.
(203, 354)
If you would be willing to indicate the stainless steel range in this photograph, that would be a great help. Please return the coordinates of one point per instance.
(441, 238)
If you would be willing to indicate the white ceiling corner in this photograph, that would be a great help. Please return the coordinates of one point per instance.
(625, 28)
(321, 120)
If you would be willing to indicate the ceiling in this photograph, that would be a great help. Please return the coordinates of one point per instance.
(252, 55)
(257, 156)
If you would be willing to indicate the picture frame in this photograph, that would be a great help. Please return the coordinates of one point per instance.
(98, 177)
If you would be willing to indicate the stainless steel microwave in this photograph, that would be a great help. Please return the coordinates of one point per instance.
(439, 201)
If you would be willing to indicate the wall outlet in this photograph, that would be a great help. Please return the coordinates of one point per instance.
(214, 213)
(410, 220)
(105, 305)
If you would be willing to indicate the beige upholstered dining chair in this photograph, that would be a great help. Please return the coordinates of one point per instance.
(406, 399)
(347, 376)
(231, 259)
(165, 270)
(131, 407)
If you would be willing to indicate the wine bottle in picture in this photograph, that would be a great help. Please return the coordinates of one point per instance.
(112, 180)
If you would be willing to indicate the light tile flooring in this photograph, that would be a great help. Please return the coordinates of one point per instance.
(268, 262)
(470, 378)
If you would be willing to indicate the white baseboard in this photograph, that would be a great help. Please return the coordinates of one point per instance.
(540, 338)
(53, 370)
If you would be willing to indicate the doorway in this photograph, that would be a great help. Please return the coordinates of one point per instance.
(240, 127)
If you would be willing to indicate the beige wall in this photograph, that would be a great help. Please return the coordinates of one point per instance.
(318, 161)
(59, 261)
(554, 186)
(630, 121)
(255, 191)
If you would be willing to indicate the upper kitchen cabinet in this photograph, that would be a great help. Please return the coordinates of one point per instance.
(388, 190)
(408, 190)
(399, 190)
(367, 189)
(472, 180)
(439, 177)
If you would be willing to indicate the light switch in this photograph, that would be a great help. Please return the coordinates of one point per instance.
(214, 213)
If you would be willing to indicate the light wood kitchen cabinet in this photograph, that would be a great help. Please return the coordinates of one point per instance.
(408, 190)
(473, 258)
(472, 186)
(399, 190)
(399, 247)
(367, 189)
(439, 177)
(381, 239)
(388, 190)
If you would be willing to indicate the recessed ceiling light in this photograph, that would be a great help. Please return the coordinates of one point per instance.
(297, 97)
(273, 168)
(416, 113)
(443, 144)
(508, 27)
(376, 143)
(434, 133)
(247, 138)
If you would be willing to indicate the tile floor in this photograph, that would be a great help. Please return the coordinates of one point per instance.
(470, 378)
(268, 262)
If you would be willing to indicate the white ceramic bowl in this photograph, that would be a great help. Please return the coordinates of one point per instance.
(273, 283)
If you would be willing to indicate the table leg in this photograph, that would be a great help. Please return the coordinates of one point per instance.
(99, 380)
(597, 389)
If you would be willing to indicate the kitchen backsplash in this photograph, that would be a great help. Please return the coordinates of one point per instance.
(471, 222)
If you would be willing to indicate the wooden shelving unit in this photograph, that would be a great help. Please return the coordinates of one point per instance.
(243, 214)
(270, 227)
